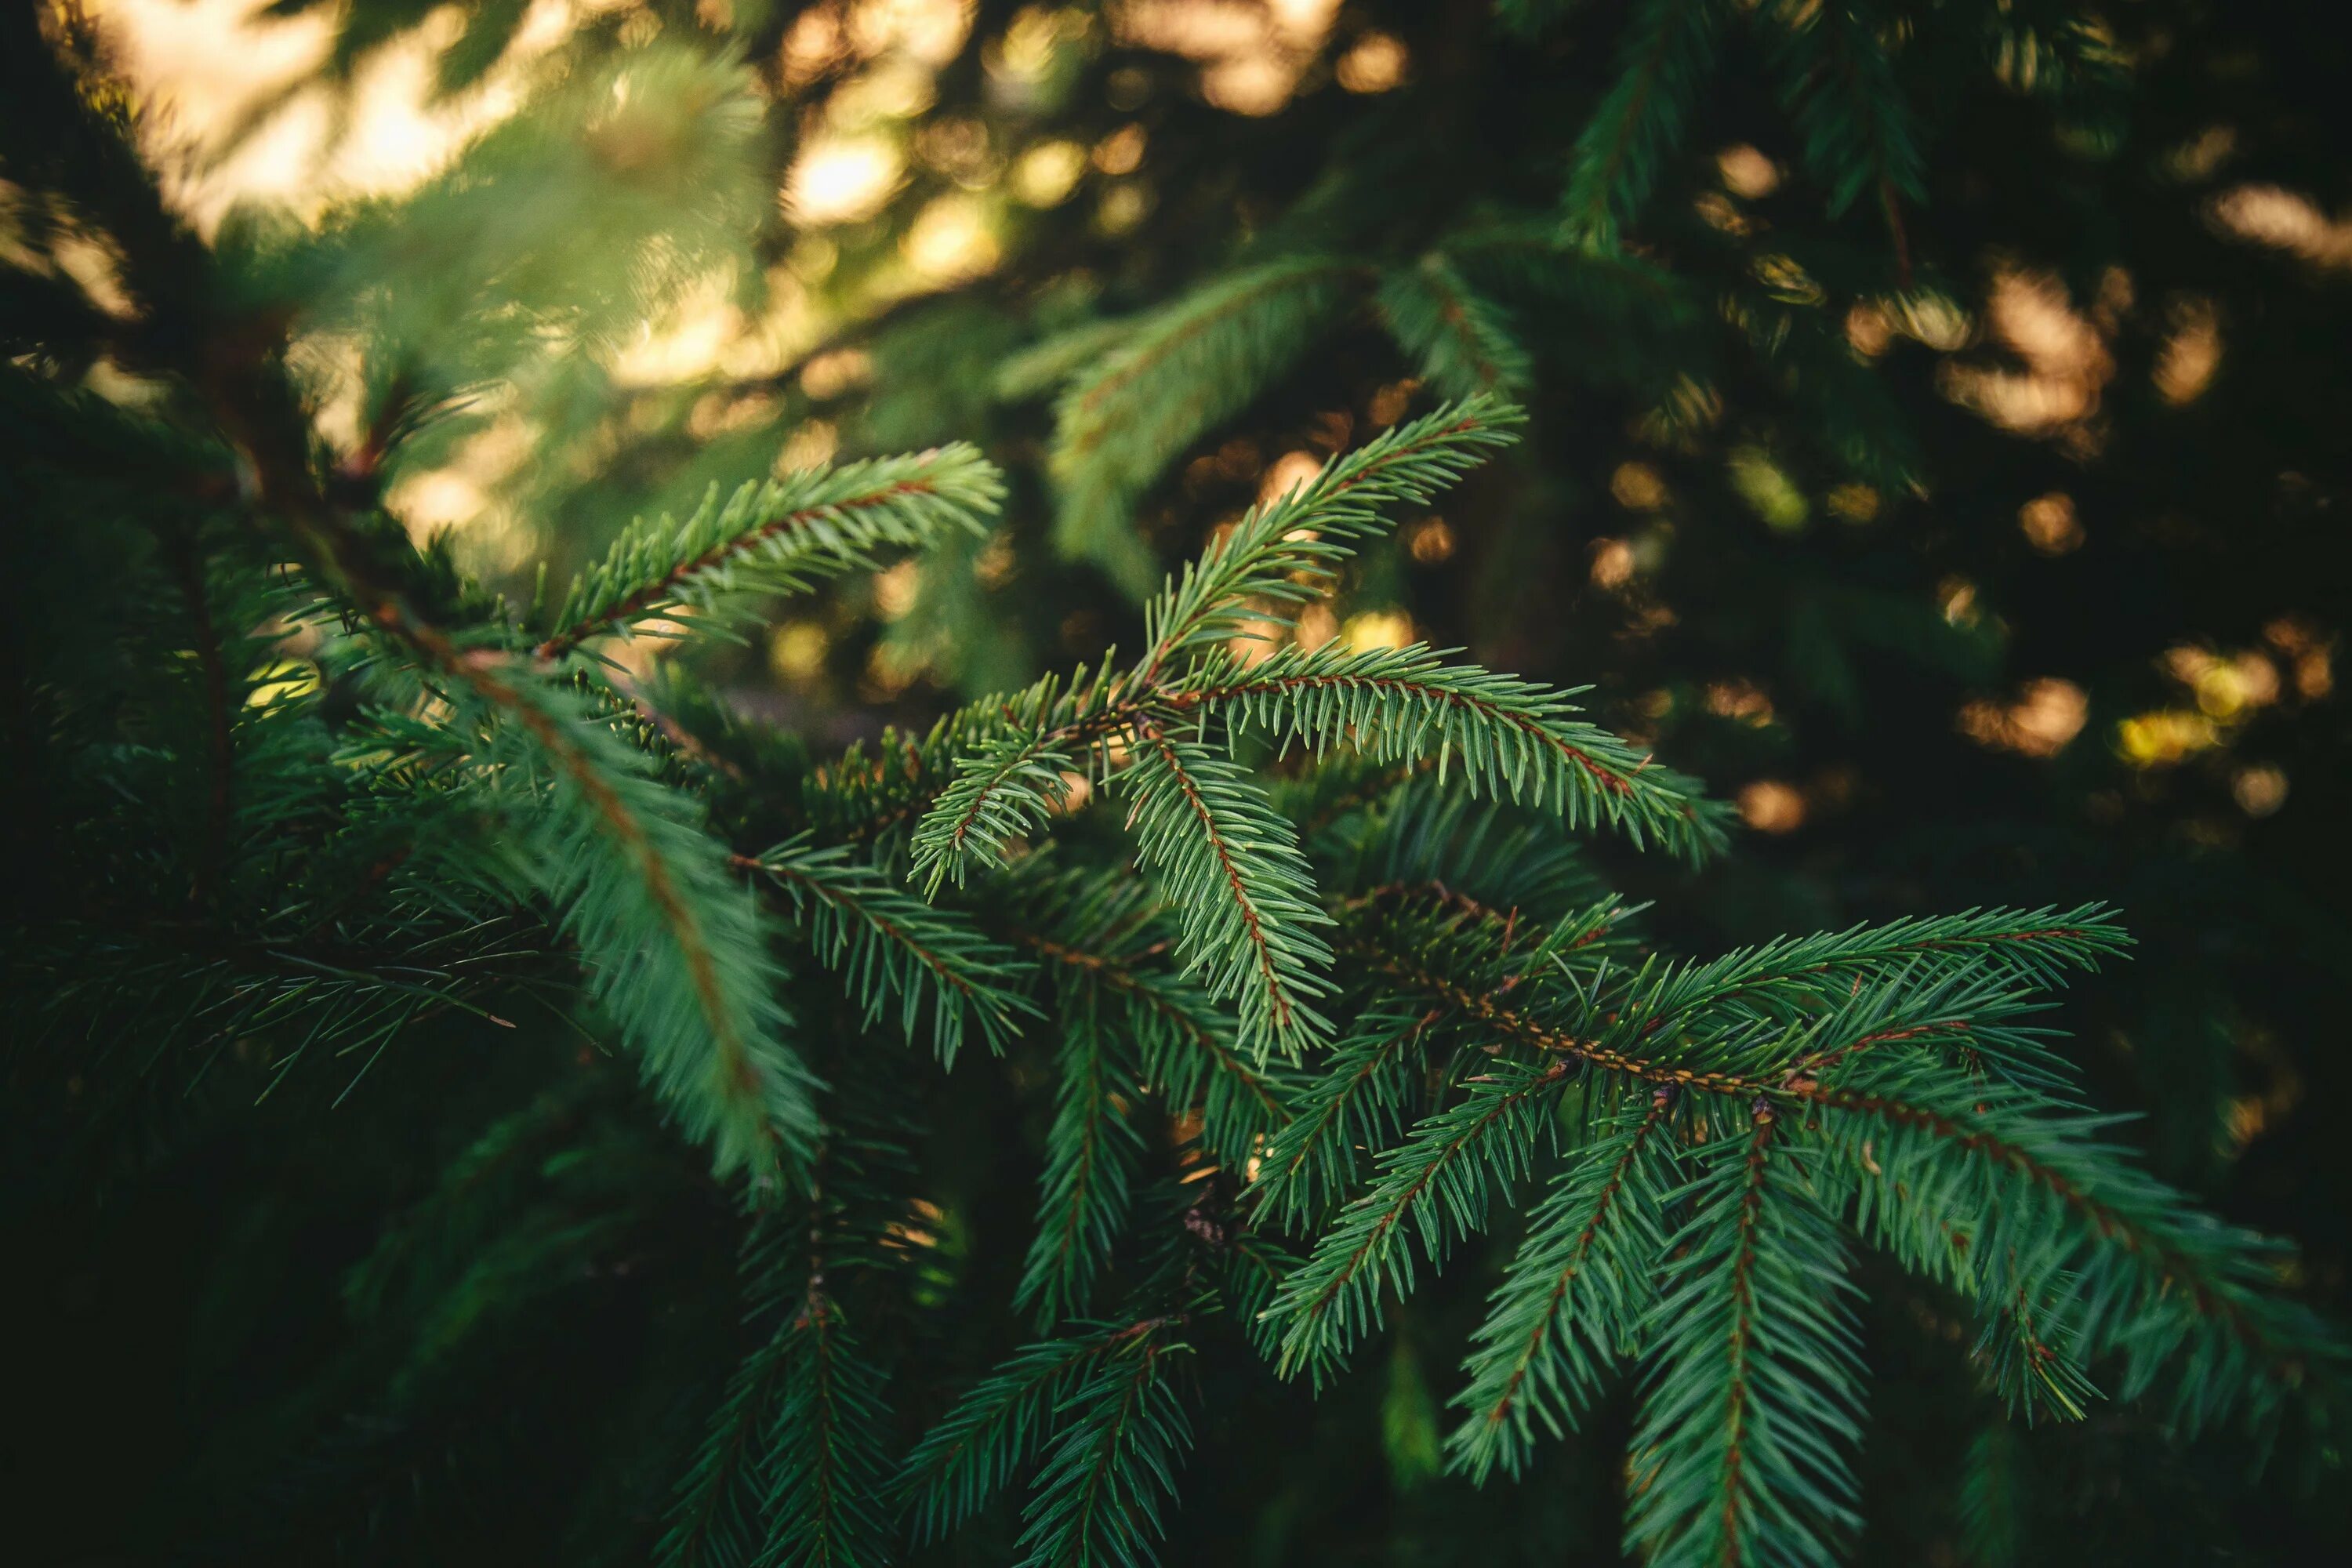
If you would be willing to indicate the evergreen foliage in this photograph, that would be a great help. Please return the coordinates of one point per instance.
(1303, 979)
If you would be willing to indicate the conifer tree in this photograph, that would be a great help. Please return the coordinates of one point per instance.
(783, 1149)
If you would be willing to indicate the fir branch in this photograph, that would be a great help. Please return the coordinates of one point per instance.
(1010, 784)
(1014, 775)
(1358, 1099)
(2108, 1257)
(1422, 836)
(775, 538)
(795, 1461)
(1012, 769)
(1512, 738)
(1440, 1182)
(1993, 1501)
(676, 954)
(1003, 1420)
(1464, 343)
(1241, 890)
(891, 946)
(2040, 946)
(1285, 552)
(866, 797)
(830, 1463)
(348, 988)
(2022, 1359)
(719, 1515)
(1184, 1037)
(1342, 787)
(1669, 46)
(1100, 1490)
(1572, 1305)
(1526, 1029)
(716, 1523)
(679, 961)
(1860, 134)
(1175, 376)
(1091, 1155)
(1784, 1000)
(1047, 363)
(1753, 1398)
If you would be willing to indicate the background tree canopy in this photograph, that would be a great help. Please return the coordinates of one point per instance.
(1936, 437)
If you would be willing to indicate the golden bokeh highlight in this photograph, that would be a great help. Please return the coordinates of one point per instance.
(1771, 805)
(2040, 722)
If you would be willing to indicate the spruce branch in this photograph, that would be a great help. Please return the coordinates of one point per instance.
(675, 949)
(2104, 1257)
(1107, 1476)
(777, 537)
(718, 1513)
(830, 1465)
(1572, 1306)
(1464, 343)
(1360, 1098)
(1992, 1498)
(1440, 1186)
(1838, 81)
(795, 1462)
(2030, 1356)
(1004, 1419)
(1511, 739)
(1285, 552)
(678, 961)
(1183, 1039)
(1019, 753)
(1753, 1397)
(891, 947)
(1012, 768)
(1173, 377)
(1242, 893)
(347, 986)
(1669, 46)
(676, 957)
(1091, 1155)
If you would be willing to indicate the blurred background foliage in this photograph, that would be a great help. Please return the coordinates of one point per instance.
(1977, 522)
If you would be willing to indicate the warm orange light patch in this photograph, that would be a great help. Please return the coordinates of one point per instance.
(1429, 542)
(1768, 805)
(2284, 220)
(1636, 486)
(2259, 791)
(2309, 655)
(2065, 357)
(2050, 525)
(2191, 355)
(1613, 562)
(1121, 151)
(2045, 716)
(2224, 688)
(1746, 172)
(1251, 56)
(1287, 473)
(1376, 64)
(1741, 699)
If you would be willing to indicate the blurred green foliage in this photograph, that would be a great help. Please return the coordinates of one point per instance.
(1938, 442)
